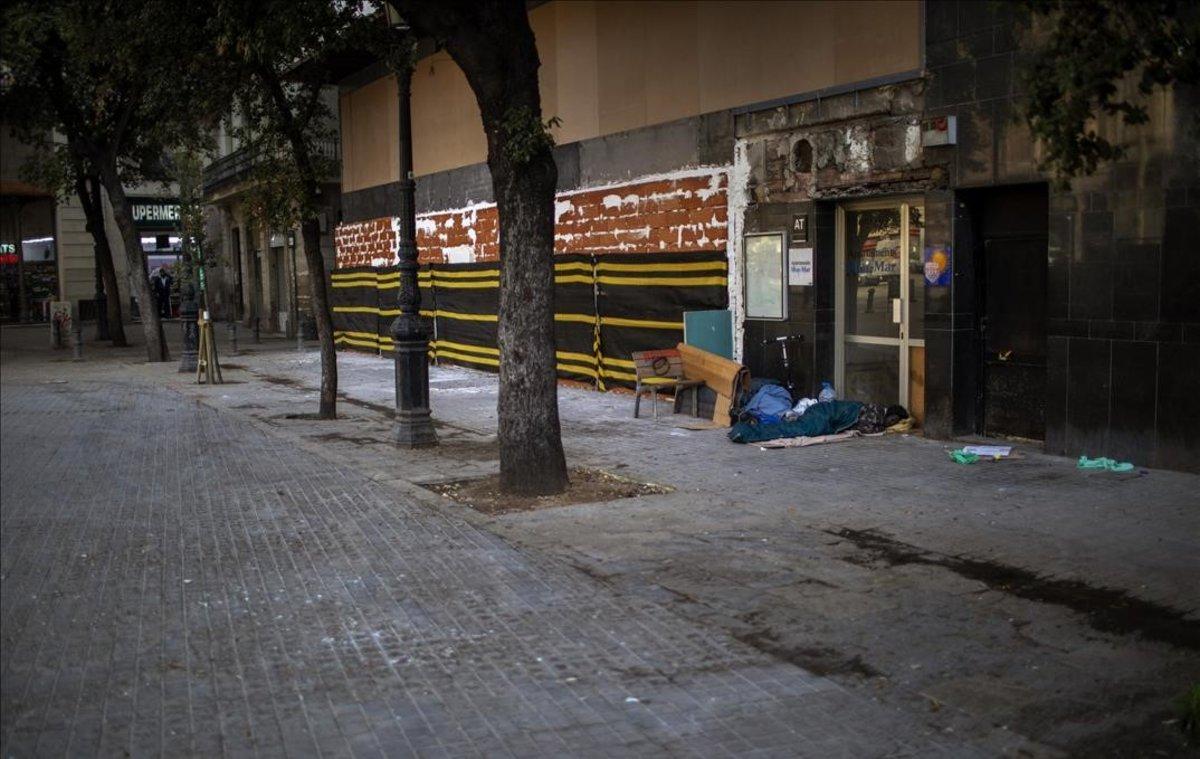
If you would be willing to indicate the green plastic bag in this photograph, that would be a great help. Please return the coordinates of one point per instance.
(1111, 465)
(962, 457)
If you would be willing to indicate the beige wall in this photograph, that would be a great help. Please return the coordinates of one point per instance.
(611, 66)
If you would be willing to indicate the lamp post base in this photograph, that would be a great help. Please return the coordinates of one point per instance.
(414, 429)
(414, 422)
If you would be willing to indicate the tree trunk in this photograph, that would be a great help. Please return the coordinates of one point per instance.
(88, 189)
(493, 44)
(135, 258)
(531, 452)
(318, 284)
(310, 230)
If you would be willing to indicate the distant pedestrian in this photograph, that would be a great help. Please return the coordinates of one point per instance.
(160, 281)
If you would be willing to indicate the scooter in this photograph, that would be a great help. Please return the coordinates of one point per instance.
(783, 341)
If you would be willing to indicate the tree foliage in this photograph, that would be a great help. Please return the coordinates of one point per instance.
(280, 52)
(1084, 52)
(187, 169)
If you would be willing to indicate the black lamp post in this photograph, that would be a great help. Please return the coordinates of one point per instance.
(414, 423)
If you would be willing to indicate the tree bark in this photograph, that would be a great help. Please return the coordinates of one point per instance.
(493, 44)
(310, 230)
(531, 453)
(318, 287)
(88, 189)
(135, 258)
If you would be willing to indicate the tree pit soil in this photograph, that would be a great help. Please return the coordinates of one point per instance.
(587, 486)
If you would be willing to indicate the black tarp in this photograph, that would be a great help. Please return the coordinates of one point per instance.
(641, 300)
(606, 307)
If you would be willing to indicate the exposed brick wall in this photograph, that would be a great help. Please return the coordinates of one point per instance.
(684, 213)
(365, 242)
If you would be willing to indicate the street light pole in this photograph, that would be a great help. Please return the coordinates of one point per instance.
(414, 422)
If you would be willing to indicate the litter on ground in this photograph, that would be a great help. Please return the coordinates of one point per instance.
(1103, 462)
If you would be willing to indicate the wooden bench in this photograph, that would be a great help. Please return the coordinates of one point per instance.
(660, 370)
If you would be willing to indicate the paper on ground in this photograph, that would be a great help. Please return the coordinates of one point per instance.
(989, 451)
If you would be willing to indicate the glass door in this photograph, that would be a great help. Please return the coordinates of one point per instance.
(880, 303)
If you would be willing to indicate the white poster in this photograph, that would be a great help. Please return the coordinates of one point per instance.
(800, 266)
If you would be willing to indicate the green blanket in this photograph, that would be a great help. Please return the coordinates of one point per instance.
(822, 419)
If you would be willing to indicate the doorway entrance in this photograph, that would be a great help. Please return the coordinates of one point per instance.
(1012, 240)
(880, 302)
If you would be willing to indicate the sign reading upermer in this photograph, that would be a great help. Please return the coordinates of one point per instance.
(155, 213)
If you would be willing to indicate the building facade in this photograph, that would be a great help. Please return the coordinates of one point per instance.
(263, 275)
(847, 175)
(45, 242)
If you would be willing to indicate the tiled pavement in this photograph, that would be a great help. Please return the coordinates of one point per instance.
(177, 580)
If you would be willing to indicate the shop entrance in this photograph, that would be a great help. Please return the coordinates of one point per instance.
(880, 302)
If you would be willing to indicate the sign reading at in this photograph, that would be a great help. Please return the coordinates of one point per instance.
(155, 213)
(800, 227)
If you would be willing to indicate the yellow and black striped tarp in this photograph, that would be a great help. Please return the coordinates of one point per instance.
(606, 307)
(364, 306)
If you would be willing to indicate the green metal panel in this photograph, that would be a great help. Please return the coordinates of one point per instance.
(709, 330)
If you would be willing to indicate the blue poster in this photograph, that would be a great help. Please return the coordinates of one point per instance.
(937, 265)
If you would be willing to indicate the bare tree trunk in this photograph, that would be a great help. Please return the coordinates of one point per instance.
(531, 452)
(493, 44)
(135, 258)
(318, 284)
(88, 189)
(310, 230)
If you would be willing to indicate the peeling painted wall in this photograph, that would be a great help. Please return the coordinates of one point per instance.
(851, 145)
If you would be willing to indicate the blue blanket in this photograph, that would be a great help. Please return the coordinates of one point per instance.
(822, 419)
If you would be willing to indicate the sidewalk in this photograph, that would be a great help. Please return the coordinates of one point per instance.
(1021, 604)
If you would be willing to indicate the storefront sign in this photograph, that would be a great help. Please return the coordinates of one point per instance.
(937, 265)
(8, 254)
(155, 213)
(800, 266)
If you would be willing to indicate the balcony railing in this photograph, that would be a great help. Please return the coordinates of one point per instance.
(235, 167)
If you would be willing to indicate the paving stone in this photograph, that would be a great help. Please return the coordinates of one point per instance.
(177, 579)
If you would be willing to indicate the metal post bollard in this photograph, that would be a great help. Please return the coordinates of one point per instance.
(299, 338)
(77, 334)
(255, 331)
(233, 349)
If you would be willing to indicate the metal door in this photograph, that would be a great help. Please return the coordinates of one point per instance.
(1013, 331)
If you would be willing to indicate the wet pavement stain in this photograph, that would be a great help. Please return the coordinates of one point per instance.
(284, 381)
(816, 659)
(1106, 609)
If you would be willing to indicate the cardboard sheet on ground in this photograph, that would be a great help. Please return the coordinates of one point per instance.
(696, 425)
(804, 442)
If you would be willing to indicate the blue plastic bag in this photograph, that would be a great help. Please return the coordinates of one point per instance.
(769, 404)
